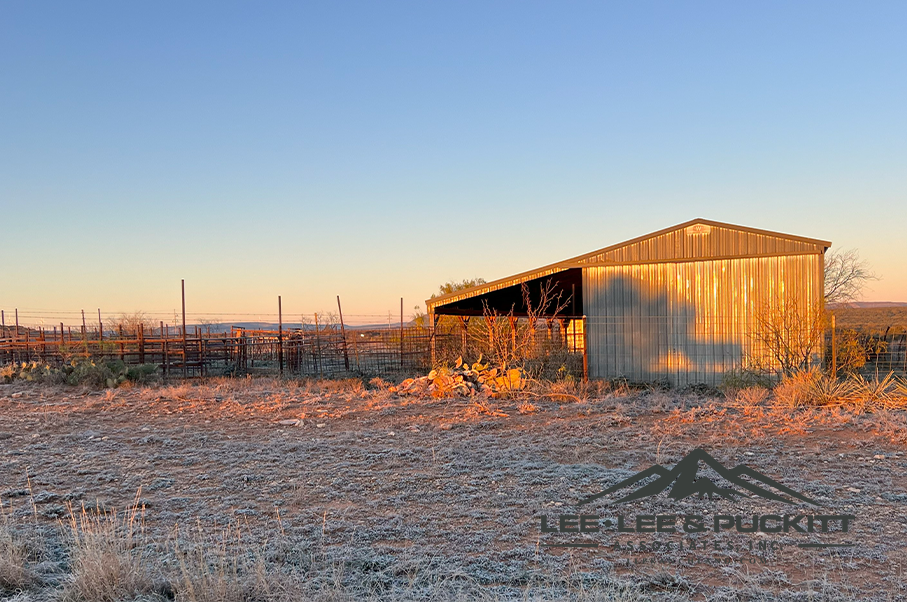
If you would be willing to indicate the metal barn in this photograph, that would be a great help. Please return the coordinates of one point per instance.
(682, 305)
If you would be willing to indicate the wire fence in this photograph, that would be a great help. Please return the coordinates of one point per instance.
(313, 351)
(326, 351)
(867, 352)
(550, 349)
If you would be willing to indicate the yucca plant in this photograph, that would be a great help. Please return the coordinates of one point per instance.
(826, 390)
(877, 393)
(900, 391)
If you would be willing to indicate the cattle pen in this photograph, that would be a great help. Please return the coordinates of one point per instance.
(197, 351)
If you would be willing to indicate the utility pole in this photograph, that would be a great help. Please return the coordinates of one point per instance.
(185, 358)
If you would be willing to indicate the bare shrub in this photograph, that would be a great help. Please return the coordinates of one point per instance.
(788, 336)
(852, 350)
(109, 558)
(131, 323)
(509, 341)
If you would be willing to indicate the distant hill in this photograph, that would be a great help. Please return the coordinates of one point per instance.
(225, 327)
(874, 316)
(867, 304)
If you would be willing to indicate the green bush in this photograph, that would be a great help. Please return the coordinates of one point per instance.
(90, 372)
(736, 380)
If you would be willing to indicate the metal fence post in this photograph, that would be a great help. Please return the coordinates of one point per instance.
(834, 350)
(346, 354)
(279, 335)
(401, 333)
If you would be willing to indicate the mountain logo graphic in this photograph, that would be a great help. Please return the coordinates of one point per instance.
(684, 482)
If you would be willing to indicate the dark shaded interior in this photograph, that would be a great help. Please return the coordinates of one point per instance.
(568, 284)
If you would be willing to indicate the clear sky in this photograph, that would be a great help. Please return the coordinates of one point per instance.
(375, 150)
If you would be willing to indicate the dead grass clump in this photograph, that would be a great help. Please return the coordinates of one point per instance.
(224, 569)
(892, 426)
(109, 558)
(794, 390)
(352, 386)
(525, 407)
(812, 388)
(563, 390)
(751, 396)
(581, 588)
(571, 389)
(659, 401)
(181, 391)
(14, 571)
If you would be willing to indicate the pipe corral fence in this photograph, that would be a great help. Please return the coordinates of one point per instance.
(322, 352)
(325, 351)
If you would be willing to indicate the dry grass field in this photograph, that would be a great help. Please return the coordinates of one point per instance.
(278, 490)
(873, 319)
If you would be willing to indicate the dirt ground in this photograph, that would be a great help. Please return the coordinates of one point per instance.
(372, 480)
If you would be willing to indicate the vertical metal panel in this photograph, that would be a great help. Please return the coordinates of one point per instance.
(689, 322)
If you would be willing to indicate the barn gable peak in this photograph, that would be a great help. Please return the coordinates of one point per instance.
(702, 239)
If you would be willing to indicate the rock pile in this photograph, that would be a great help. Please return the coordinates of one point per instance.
(463, 380)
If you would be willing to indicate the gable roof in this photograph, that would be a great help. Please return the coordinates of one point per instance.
(696, 240)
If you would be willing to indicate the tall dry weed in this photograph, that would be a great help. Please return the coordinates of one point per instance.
(570, 389)
(110, 561)
(751, 396)
(15, 574)
(220, 568)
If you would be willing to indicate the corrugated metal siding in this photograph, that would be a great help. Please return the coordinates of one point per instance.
(689, 322)
(717, 242)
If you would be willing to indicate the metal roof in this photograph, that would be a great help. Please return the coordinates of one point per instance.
(689, 241)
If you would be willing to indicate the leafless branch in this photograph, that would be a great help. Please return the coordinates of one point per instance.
(846, 276)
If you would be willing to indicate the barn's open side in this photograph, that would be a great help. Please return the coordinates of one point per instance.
(684, 305)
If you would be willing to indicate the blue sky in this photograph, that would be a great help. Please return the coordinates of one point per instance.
(375, 150)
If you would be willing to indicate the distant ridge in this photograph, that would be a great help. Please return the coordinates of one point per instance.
(867, 304)
(288, 326)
